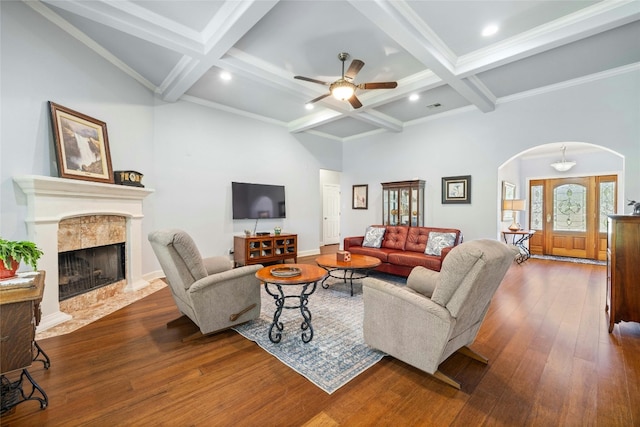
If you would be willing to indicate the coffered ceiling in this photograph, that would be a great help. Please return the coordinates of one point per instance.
(433, 49)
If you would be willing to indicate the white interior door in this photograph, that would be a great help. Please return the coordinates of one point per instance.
(330, 214)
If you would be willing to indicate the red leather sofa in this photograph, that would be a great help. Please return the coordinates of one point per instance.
(403, 248)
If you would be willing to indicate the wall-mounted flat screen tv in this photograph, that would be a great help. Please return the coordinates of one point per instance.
(254, 201)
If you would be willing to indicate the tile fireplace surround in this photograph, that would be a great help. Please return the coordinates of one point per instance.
(50, 200)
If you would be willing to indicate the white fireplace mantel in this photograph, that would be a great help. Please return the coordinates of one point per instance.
(50, 200)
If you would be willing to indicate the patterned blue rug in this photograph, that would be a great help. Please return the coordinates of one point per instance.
(337, 353)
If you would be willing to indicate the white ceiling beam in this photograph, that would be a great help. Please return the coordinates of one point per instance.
(403, 25)
(236, 19)
(256, 69)
(137, 21)
(313, 120)
(584, 23)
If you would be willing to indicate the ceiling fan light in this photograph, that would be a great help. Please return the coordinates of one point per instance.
(342, 90)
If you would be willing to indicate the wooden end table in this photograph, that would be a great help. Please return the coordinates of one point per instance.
(308, 278)
(357, 268)
(19, 316)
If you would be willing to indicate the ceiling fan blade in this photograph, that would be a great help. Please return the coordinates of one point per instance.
(355, 102)
(319, 98)
(354, 68)
(379, 85)
(311, 80)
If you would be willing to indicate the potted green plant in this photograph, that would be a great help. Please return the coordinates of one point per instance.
(13, 252)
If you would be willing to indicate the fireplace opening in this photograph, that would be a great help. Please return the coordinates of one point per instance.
(83, 270)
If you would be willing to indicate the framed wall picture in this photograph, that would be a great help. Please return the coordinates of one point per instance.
(508, 193)
(361, 196)
(456, 189)
(82, 145)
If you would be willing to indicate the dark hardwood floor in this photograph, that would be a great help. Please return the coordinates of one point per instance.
(551, 363)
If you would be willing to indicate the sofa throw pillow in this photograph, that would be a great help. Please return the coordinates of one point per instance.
(438, 241)
(373, 237)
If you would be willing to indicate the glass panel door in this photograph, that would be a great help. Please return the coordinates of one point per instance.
(570, 215)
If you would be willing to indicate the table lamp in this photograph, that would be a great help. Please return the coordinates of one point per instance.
(513, 205)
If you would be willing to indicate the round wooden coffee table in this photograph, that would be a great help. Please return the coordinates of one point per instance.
(308, 277)
(357, 268)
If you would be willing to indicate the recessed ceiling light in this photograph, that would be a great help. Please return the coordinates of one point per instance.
(490, 30)
(225, 75)
(414, 97)
(308, 106)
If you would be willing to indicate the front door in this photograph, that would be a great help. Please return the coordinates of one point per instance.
(569, 215)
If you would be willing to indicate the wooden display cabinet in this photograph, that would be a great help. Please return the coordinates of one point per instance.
(265, 249)
(403, 203)
(623, 269)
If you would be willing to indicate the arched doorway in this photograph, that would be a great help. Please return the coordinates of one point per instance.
(566, 209)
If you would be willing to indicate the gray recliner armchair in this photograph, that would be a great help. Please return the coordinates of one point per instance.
(437, 313)
(209, 291)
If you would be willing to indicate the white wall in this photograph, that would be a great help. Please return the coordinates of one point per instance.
(603, 112)
(199, 152)
(41, 63)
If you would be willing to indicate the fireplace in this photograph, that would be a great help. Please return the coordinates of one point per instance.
(84, 270)
(64, 215)
(91, 255)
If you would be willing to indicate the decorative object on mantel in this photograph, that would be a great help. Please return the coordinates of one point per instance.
(514, 205)
(131, 178)
(277, 230)
(82, 145)
(636, 207)
(13, 252)
(563, 165)
(456, 189)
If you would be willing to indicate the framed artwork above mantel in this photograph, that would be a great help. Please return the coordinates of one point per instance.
(82, 145)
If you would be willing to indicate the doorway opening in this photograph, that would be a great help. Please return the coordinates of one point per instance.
(595, 183)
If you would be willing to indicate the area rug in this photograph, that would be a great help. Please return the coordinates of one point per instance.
(570, 259)
(337, 353)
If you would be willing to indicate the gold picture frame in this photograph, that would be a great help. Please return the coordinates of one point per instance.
(82, 145)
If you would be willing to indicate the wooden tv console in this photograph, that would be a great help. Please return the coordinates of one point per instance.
(265, 249)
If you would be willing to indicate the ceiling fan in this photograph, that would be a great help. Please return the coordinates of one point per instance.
(344, 89)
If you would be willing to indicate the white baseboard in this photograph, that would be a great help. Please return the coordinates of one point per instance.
(51, 320)
(309, 253)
